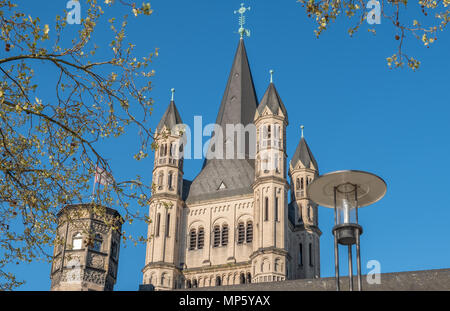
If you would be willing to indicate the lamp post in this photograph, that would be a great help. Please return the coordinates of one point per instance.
(346, 192)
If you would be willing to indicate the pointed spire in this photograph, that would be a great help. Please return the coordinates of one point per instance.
(304, 155)
(272, 100)
(239, 100)
(171, 117)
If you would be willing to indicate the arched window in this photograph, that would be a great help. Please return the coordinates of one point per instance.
(298, 184)
(301, 183)
(249, 278)
(266, 209)
(242, 278)
(241, 233)
(269, 131)
(300, 254)
(224, 235)
(216, 233)
(249, 232)
(218, 281)
(114, 250)
(276, 208)
(300, 213)
(170, 180)
(195, 283)
(98, 240)
(311, 261)
(201, 238)
(192, 239)
(168, 225)
(163, 279)
(188, 284)
(160, 180)
(77, 241)
(158, 224)
(277, 264)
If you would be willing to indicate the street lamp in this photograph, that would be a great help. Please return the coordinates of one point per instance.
(346, 191)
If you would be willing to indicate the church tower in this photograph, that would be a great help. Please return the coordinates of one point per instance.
(303, 169)
(162, 268)
(86, 254)
(270, 256)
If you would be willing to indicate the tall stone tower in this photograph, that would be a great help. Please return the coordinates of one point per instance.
(270, 256)
(162, 266)
(303, 169)
(86, 255)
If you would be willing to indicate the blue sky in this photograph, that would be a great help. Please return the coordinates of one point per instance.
(357, 113)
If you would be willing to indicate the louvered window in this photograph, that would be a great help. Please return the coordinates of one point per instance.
(249, 233)
(225, 235)
(216, 233)
(201, 238)
(241, 233)
(192, 239)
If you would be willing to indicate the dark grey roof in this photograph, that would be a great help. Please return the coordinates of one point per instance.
(304, 155)
(238, 107)
(186, 187)
(170, 118)
(272, 100)
(237, 176)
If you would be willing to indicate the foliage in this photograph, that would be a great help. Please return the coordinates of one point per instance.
(48, 154)
(326, 11)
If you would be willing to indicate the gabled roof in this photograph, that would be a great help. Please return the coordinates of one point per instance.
(273, 101)
(170, 118)
(238, 107)
(304, 155)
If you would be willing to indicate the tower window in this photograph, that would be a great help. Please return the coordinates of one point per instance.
(160, 180)
(225, 235)
(216, 233)
(201, 238)
(241, 233)
(311, 262)
(168, 225)
(195, 283)
(242, 278)
(114, 250)
(300, 254)
(276, 208)
(301, 183)
(218, 281)
(192, 239)
(77, 241)
(98, 240)
(298, 184)
(158, 224)
(169, 181)
(249, 278)
(266, 209)
(188, 284)
(249, 233)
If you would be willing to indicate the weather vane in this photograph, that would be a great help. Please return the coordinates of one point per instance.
(242, 11)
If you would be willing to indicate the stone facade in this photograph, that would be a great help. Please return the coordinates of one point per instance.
(86, 254)
(234, 223)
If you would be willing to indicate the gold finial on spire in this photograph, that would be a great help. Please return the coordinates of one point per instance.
(271, 75)
(242, 31)
(302, 128)
(173, 94)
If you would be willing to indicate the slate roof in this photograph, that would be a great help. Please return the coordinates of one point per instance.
(272, 100)
(170, 118)
(304, 155)
(238, 106)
